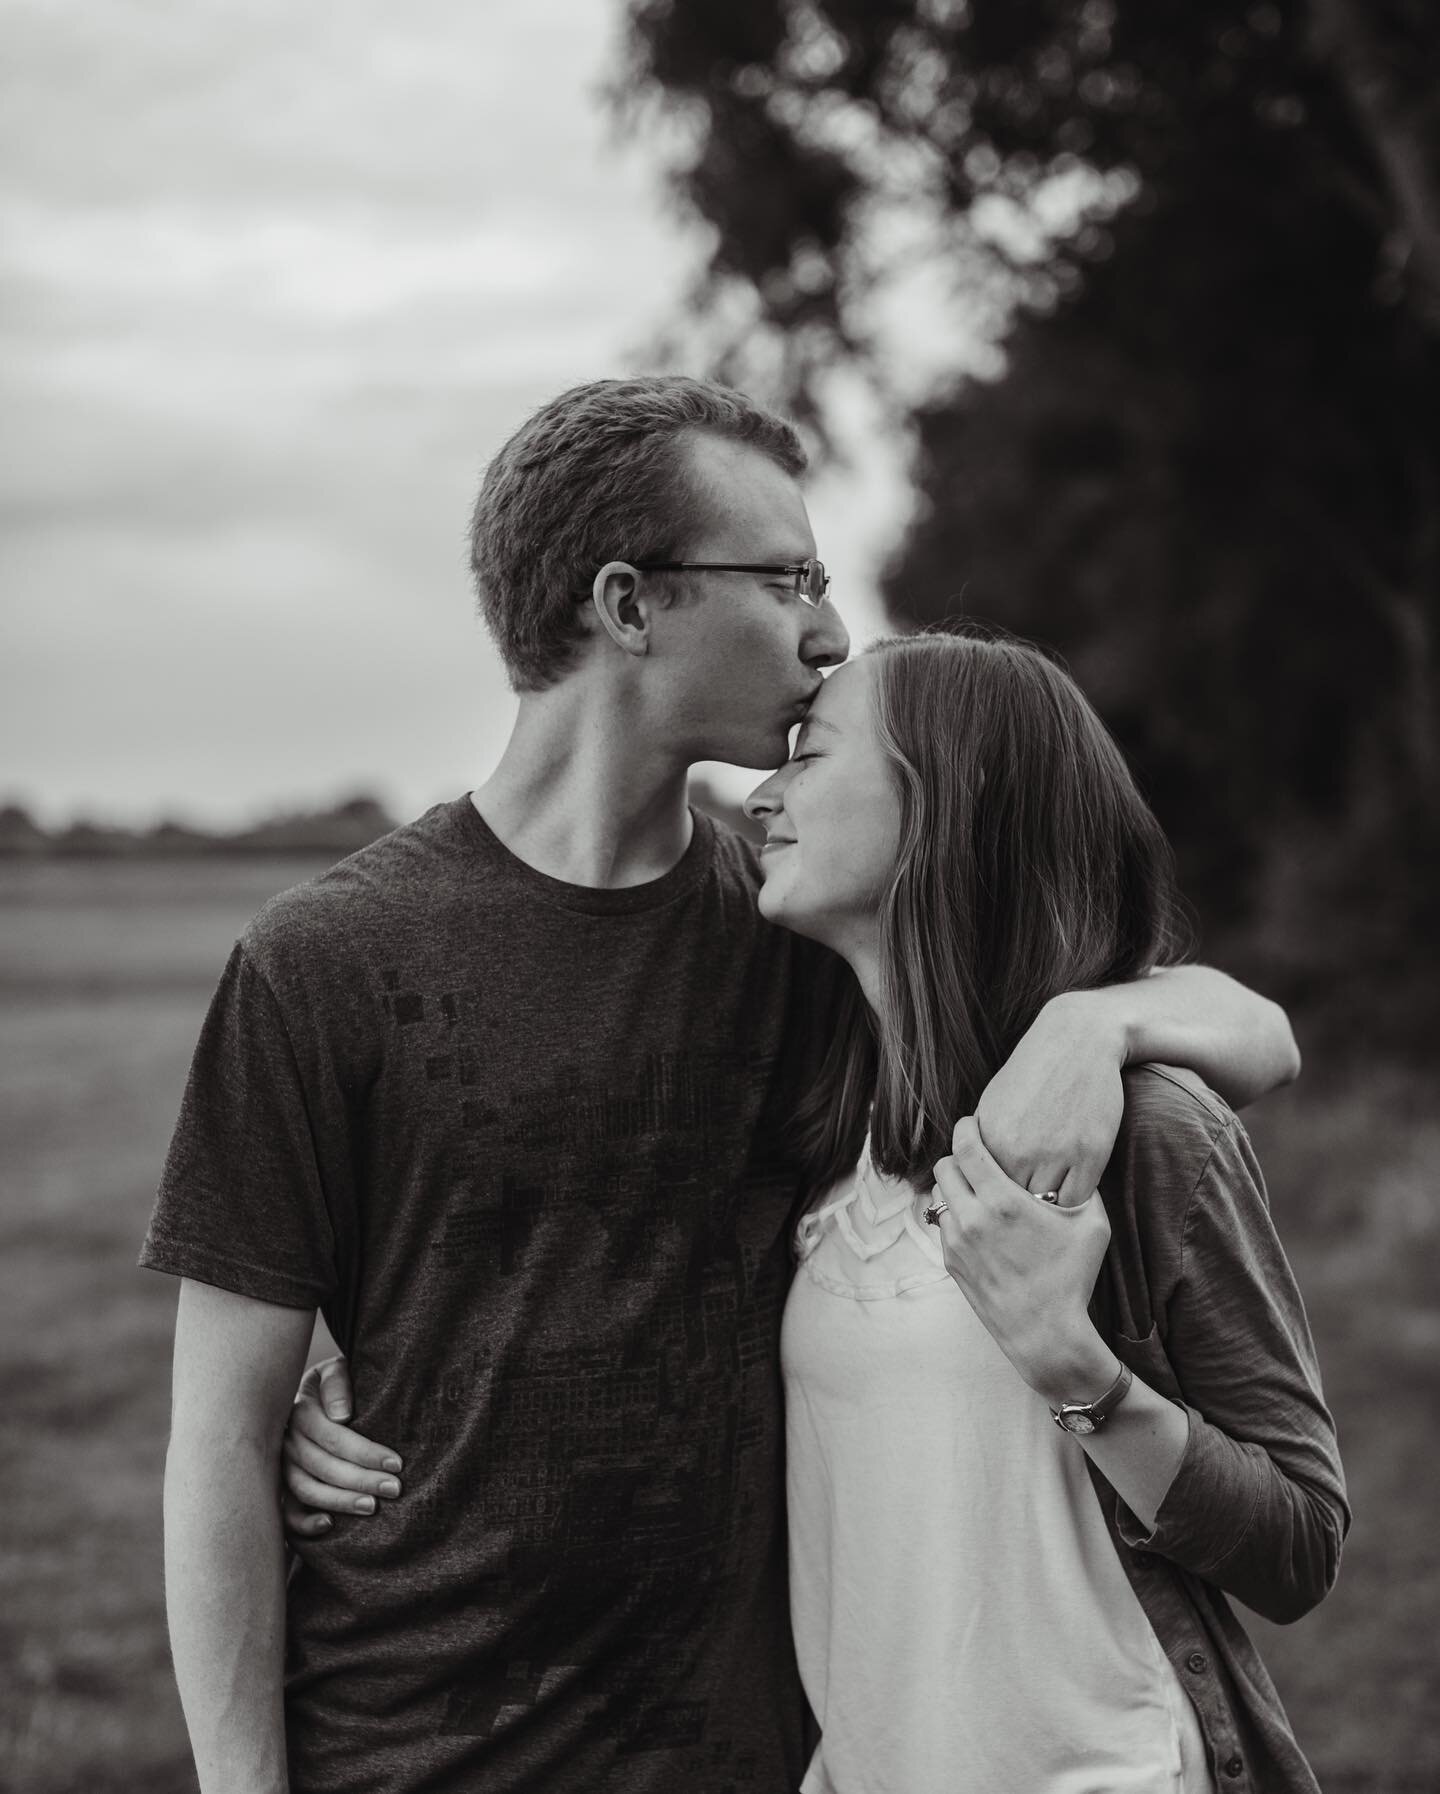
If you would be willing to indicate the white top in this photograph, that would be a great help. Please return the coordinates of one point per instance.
(962, 1621)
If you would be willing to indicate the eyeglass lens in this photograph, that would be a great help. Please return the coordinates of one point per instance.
(813, 582)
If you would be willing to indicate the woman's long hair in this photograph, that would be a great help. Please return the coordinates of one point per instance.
(1029, 864)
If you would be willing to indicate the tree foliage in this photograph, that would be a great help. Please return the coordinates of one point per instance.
(1208, 239)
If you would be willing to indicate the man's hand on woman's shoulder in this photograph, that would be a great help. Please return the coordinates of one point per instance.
(1050, 1115)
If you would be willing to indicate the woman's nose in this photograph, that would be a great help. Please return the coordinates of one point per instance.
(764, 800)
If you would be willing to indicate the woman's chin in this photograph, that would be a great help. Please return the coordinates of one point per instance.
(772, 900)
(780, 907)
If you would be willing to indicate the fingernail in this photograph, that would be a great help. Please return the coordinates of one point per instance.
(338, 1411)
(365, 1504)
(389, 1486)
(391, 1463)
(323, 1523)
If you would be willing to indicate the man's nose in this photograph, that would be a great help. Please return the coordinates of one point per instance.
(827, 640)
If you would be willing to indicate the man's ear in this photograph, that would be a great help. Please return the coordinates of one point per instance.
(623, 612)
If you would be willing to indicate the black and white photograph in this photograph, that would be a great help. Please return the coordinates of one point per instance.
(719, 926)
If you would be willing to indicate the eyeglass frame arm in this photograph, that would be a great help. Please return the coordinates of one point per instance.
(798, 568)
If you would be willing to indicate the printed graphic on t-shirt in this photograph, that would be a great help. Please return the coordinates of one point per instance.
(615, 1443)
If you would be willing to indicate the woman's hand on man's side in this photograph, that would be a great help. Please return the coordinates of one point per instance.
(327, 1467)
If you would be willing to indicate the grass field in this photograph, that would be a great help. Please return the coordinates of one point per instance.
(104, 975)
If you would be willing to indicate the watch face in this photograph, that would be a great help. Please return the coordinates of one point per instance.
(1078, 1423)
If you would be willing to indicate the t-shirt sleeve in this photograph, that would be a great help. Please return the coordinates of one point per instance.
(242, 1203)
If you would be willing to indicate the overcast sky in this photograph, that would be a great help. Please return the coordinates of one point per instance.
(277, 281)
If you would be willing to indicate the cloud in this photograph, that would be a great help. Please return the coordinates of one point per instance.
(279, 280)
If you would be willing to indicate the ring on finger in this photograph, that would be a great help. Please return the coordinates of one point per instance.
(1052, 1196)
(934, 1212)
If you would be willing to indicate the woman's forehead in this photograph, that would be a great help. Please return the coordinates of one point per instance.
(842, 699)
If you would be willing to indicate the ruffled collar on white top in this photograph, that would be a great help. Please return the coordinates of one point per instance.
(869, 1216)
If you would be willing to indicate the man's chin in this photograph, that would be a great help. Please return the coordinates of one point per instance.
(763, 753)
(754, 752)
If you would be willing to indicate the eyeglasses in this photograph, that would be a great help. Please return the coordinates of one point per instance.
(812, 582)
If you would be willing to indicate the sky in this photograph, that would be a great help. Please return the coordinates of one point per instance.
(276, 283)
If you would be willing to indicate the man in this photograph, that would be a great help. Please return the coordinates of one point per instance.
(504, 1095)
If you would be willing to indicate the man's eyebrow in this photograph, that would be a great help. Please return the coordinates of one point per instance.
(780, 557)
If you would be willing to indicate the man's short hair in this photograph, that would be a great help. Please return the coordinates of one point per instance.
(596, 475)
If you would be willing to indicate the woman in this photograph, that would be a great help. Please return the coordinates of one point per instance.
(1032, 1444)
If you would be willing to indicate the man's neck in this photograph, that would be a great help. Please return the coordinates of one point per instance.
(583, 797)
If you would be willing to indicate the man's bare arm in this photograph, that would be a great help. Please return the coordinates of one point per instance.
(1238, 1041)
(236, 1366)
(1051, 1113)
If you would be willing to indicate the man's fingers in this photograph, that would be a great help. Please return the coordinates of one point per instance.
(972, 1171)
(336, 1396)
(307, 1421)
(325, 1467)
(301, 1521)
(1073, 1191)
(1046, 1174)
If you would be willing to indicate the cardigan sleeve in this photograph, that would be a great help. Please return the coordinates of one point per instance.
(1257, 1506)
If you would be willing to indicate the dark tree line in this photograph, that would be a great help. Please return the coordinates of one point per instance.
(1209, 473)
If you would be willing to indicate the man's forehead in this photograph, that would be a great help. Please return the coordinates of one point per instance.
(747, 503)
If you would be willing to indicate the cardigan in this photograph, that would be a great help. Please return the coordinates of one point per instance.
(1197, 1297)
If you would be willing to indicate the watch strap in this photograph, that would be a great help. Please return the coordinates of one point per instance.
(1100, 1410)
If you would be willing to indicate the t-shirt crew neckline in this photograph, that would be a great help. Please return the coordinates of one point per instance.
(592, 900)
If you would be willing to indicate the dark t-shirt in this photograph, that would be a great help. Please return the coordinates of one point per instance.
(518, 1139)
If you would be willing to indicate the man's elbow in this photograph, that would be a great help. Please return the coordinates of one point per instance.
(1287, 1049)
(219, 1502)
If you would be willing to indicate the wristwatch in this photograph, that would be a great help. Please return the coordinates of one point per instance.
(1089, 1417)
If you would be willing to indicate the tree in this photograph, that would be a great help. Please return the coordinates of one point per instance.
(1207, 240)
